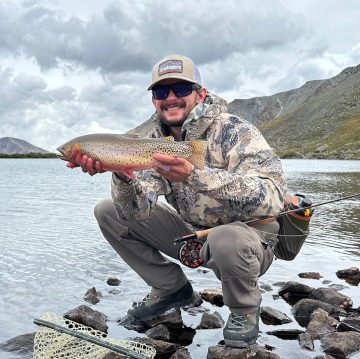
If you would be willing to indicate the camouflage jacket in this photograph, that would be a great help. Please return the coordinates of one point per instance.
(242, 178)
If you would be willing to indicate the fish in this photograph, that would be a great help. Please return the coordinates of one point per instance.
(122, 153)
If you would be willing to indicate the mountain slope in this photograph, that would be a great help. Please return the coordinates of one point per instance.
(11, 145)
(321, 119)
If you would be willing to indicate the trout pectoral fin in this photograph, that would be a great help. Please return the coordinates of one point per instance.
(197, 158)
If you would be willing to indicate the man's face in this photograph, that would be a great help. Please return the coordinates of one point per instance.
(172, 110)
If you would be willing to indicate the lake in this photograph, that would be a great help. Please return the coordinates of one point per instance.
(52, 252)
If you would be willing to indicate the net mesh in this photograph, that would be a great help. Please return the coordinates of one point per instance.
(52, 344)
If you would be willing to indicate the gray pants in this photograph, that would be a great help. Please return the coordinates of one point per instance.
(235, 252)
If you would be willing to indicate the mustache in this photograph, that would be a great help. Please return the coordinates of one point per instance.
(173, 103)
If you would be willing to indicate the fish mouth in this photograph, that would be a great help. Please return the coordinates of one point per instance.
(61, 155)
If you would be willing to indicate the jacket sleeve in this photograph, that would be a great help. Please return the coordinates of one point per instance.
(245, 171)
(135, 200)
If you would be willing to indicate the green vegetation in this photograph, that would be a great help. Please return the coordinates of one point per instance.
(29, 155)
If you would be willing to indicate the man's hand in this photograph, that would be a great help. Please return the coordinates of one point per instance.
(172, 168)
(87, 164)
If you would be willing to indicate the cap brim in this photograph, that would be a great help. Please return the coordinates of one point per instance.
(171, 77)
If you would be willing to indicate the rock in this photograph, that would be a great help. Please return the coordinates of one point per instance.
(197, 310)
(115, 291)
(214, 296)
(331, 296)
(310, 275)
(21, 344)
(324, 357)
(351, 275)
(303, 309)
(349, 324)
(252, 351)
(183, 336)
(338, 287)
(182, 353)
(89, 317)
(172, 318)
(320, 324)
(113, 281)
(266, 287)
(305, 341)
(272, 316)
(286, 333)
(341, 345)
(92, 296)
(292, 292)
(211, 321)
(163, 349)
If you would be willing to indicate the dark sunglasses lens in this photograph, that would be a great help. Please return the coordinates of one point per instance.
(182, 90)
(160, 93)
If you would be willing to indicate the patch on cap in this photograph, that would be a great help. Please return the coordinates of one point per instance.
(170, 66)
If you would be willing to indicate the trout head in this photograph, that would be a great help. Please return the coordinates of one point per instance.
(68, 151)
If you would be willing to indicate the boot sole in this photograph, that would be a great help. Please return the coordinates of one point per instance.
(238, 343)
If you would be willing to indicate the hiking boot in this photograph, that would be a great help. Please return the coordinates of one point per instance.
(151, 306)
(241, 329)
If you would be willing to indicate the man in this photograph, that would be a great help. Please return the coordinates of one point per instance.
(242, 180)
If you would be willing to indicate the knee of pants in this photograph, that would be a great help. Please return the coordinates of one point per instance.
(103, 209)
(228, 244)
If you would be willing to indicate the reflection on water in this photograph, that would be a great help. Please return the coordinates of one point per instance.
(51, 250)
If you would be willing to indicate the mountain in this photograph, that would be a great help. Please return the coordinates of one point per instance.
(320, 119)
(11, 145)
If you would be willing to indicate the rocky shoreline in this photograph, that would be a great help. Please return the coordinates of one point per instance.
(324, 313)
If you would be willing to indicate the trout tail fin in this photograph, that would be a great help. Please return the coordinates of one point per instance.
(197, 157)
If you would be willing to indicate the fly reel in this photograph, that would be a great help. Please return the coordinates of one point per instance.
(189, 253)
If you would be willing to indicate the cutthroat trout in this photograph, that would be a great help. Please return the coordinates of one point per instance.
(120, 153)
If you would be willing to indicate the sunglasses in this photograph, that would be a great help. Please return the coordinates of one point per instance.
(180, 89)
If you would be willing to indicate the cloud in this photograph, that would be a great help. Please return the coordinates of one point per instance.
(132, 35)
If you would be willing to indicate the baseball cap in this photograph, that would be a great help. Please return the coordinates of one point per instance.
(175, 67)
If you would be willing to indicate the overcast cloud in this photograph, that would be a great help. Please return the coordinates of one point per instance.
(69, 68)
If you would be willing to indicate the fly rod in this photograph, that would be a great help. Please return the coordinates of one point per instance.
(205, 232)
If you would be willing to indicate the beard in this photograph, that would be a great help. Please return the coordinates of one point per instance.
(174, 122)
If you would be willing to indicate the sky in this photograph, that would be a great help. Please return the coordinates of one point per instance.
(73, 67)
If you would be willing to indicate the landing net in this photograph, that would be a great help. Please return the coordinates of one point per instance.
(60, 338)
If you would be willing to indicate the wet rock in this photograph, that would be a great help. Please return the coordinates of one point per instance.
(214, 296)
(203, 270)
(211, 321)
(89, 317)
(114, 291)
(324, 357)
(163, 349)
(326, 281)
(182, 353)
(113, 281)
(266, 287)
(351, 275)
(172, 318)
(310, 275)
(305, 341)
(288, 334)
(131, 323)
(292, 291)
(196, 310)
(21, 344)
(272, 316)
(183, 336)
(303, 309)
(338, 287)
(252, 351)
(349, 324)
(321, 323)
(331, 296)
(341, 345)
(92, 296)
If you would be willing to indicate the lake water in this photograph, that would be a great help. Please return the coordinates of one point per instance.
(52, 252)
